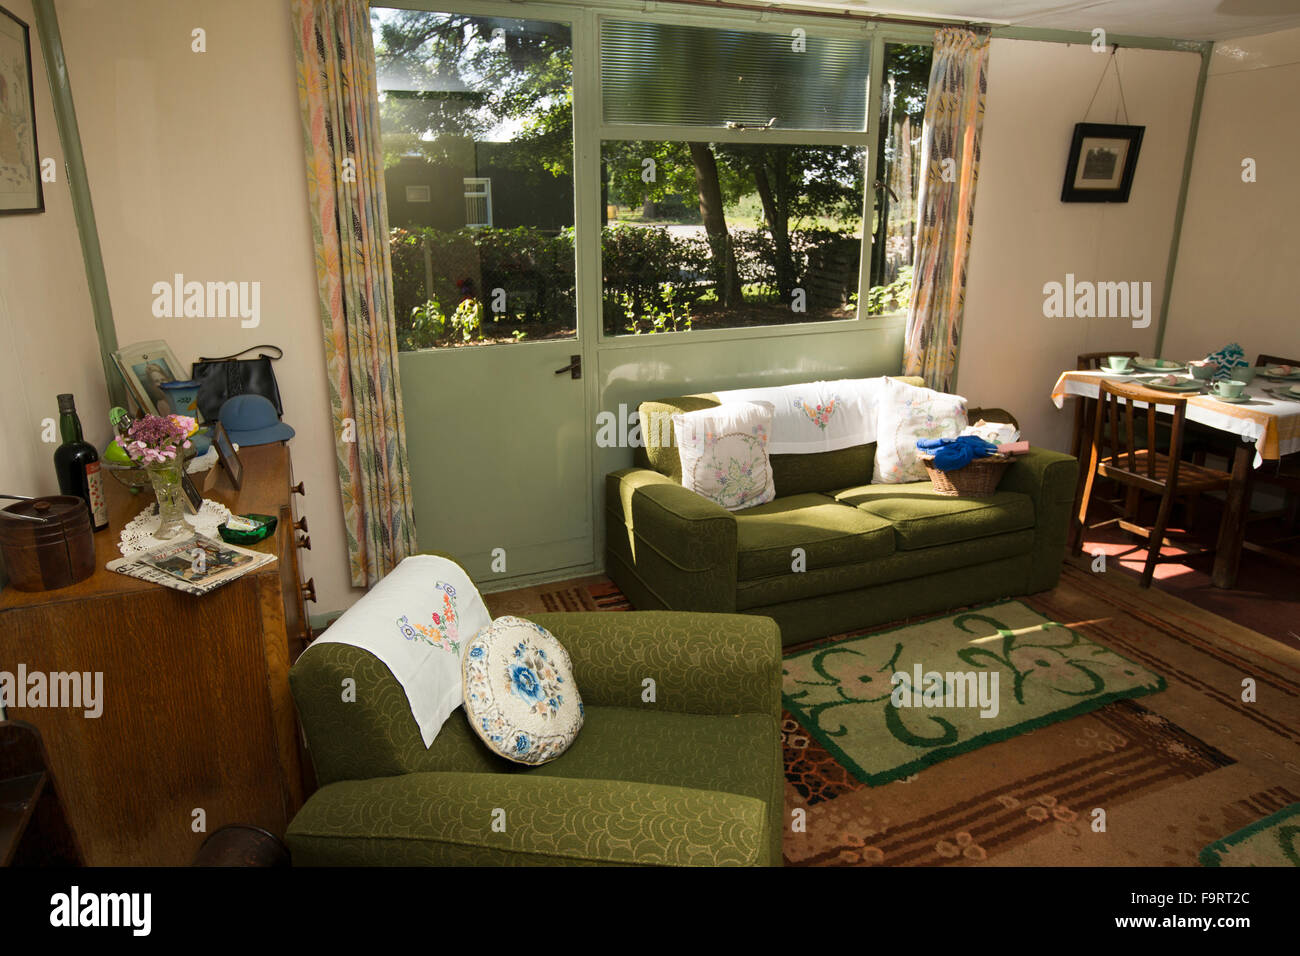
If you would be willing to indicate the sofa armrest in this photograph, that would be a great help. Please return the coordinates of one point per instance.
(496, 819)
(1046, 476)
(690, 540)
(369, 732)
(700, 663)
(1049, 478)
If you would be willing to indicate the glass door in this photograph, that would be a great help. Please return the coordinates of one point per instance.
(477, 122)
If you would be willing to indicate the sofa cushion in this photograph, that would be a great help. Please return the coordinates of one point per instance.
(922, 518)
(878, 572)
(724, 453)
(449, 819)
(520, 695)
(822, 471)
(906, 414)
(830, 533)
(732, 753)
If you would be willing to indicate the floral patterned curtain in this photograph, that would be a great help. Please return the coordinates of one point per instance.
(345, 184)
(950, 155)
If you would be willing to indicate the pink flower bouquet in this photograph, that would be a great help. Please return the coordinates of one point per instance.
(158, 439)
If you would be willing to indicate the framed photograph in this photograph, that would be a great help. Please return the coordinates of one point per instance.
(192, 494)
(20, 160)
(228, 455)
(145, 366)
(1102, 160)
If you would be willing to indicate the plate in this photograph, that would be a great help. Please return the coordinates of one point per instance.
(1187, 385)
(1284, 393)
(1293, 377)
(1160, 365)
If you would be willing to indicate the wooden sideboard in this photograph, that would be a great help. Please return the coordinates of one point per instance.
(197, 714)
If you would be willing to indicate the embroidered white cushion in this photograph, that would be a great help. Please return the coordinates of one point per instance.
(908, 413)
(417, 621)
(723, 452)
(520, 697)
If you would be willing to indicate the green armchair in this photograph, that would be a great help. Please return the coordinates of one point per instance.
(678, 762)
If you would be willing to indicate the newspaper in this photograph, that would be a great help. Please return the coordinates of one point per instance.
(195, 564)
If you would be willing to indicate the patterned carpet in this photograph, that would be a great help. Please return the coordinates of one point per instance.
(1147, 782)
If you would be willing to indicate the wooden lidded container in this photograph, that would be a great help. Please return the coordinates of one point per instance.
(53, 554)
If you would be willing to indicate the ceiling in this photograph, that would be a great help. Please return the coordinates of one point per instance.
(1175, 19)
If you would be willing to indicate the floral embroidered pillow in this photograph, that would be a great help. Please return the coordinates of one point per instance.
(907, 413)
(520, 697)
(724, 453)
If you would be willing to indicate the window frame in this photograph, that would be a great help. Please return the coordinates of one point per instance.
(590, 131)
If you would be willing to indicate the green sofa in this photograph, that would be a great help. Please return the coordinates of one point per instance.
(693, 778)
(872, 553)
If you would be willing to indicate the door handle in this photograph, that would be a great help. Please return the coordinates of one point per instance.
(574, 368)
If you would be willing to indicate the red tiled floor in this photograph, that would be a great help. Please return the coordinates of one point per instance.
(1265, 599)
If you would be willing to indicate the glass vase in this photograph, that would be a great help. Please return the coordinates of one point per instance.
(166, 481)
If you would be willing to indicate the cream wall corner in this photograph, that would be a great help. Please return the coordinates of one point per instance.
(1024, 236)
(196, 167)
(1236, 275)
(47, 326)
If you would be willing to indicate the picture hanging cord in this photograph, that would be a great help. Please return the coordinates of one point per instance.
(1112, 59)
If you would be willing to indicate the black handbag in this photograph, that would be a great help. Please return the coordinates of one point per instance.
(228, 376)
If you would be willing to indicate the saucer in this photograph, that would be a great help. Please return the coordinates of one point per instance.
(1118, 371)
(1239, 400)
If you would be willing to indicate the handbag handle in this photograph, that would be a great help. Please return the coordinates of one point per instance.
(225, 358)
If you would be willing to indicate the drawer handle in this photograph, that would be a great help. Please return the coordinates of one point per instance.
(301, 523)
(309, 590)
(305, 542)
(298, 489)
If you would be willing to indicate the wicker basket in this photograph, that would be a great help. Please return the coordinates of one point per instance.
(979, 479)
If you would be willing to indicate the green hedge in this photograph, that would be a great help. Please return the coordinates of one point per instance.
(652, 278)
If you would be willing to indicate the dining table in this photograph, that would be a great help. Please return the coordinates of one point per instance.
(1266, 425)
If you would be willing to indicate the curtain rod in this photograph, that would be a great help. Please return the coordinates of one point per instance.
(846, 15)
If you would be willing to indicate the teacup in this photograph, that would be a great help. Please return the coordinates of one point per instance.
(1118, 363)
(1230, 388)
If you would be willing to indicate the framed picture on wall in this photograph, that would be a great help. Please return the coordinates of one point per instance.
(20, 163)
(1102, 160)
(144, 367)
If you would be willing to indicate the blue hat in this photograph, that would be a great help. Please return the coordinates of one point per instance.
(251, 420)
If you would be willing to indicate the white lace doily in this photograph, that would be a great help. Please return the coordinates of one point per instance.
(137, 536)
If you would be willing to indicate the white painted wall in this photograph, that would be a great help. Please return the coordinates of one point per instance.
(1236, 274)
(1024, 236)
(196, 166)
(47, 328)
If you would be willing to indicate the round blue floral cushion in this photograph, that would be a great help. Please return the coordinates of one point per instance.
(520, 697)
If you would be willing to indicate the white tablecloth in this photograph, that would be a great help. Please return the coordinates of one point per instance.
(1270, 423)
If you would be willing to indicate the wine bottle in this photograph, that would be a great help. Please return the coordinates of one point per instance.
(77, 465)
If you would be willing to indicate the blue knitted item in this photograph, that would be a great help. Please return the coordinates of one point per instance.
(1229, 359)
(953, 453)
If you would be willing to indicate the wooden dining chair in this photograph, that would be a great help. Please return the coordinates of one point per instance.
(1084, 407)
(1274, 360)
(1122, 453)
(1284, 473)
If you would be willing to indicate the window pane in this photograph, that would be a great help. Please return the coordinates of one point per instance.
(659, 73)
(711, 235)
(898, 176)
(476, 115)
